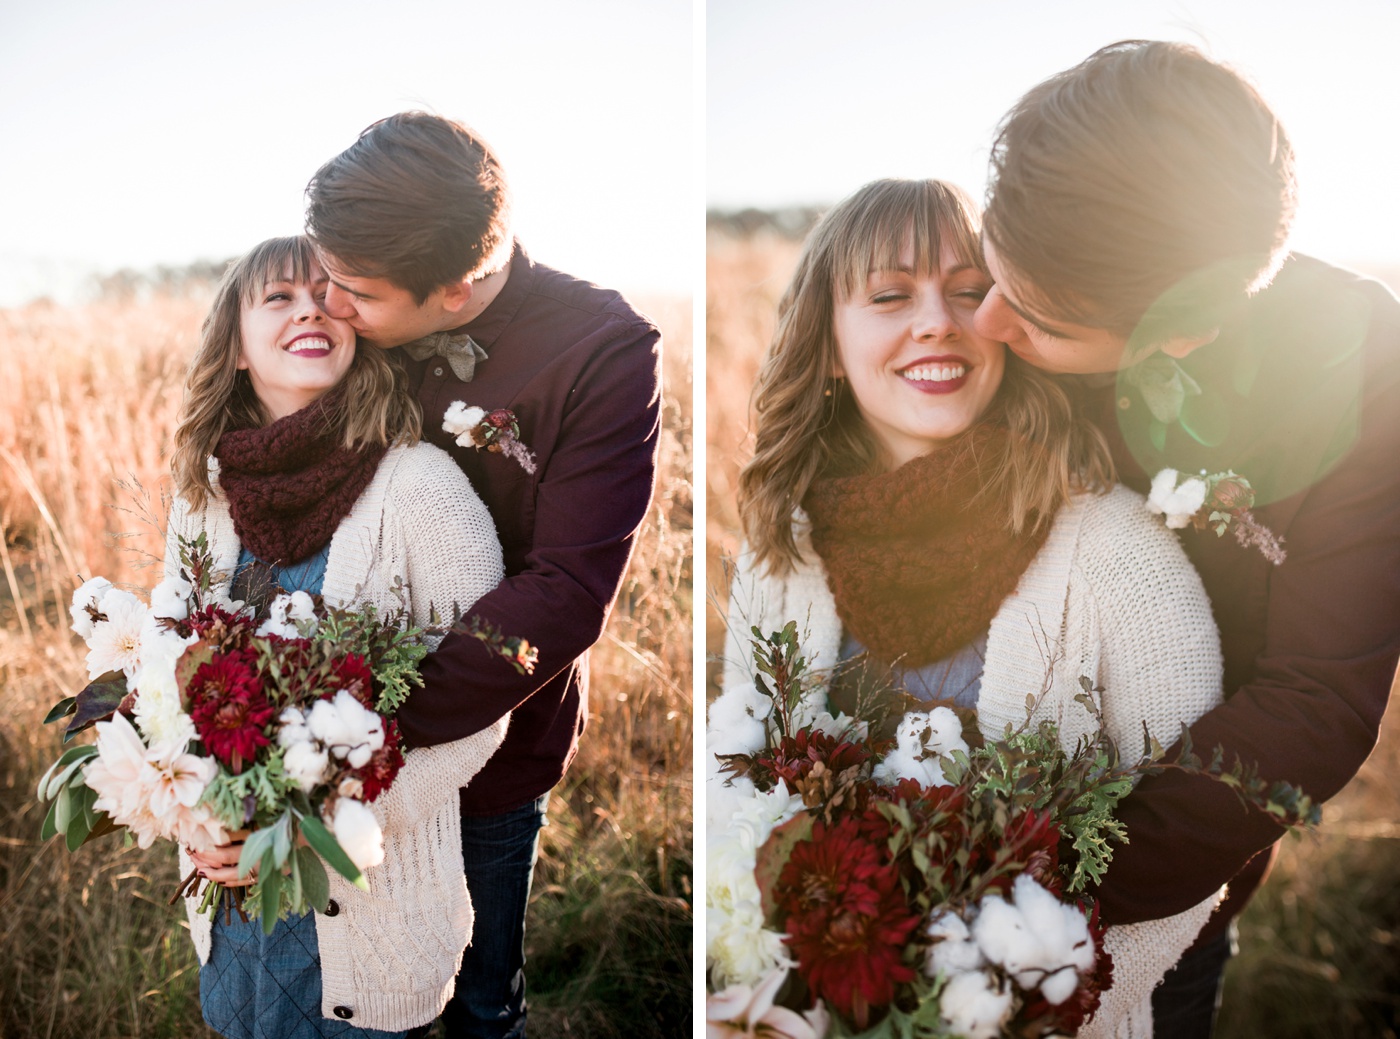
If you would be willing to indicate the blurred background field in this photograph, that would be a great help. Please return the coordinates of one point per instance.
(88, 947)
(1320, 944)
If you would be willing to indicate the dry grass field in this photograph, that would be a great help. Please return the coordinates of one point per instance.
(88, 947)
(1320, 944)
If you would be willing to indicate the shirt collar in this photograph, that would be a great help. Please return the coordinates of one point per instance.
(487, 326)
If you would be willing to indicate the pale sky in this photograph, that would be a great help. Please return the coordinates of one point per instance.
(809, 99)
(149, 132)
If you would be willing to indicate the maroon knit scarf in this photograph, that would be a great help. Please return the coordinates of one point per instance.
(291, 483)
(916, 573)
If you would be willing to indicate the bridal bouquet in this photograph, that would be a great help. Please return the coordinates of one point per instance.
(929, 884)
(213, 721)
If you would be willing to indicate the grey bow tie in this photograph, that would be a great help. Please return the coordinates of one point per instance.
(461, 350)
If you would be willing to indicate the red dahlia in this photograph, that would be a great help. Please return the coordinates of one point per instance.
(229, 710)
(380, 770)
(352, 674)
(846, 918)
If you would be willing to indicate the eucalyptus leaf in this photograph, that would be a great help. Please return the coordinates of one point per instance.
(78, 827)
(254, 846)
(329, 849)
(314, 881)
(270, 890)
(63, 767)
(50, 827)
(65, 811)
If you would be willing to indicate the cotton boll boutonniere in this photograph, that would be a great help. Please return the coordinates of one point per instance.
(497, 431)
(1221, 501)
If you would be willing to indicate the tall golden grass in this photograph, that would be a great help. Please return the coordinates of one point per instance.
(1320, 943)
(88, 947)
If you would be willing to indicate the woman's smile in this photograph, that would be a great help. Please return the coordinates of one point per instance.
(918, 370)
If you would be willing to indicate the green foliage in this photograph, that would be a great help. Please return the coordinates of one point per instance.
(392, 647)
(923, 1021)
(779, 660)
(266, 783)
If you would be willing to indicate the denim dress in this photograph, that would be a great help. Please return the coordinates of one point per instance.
(957, 677)
(268, 986)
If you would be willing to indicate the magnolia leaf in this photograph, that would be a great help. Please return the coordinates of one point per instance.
(62, 709)
(102, 826)
(314, 882)
(97, 702)
(329, 849)
(774, 854)
(194, 657)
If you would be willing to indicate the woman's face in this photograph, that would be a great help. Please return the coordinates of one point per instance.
(292, 351)
(905, 343)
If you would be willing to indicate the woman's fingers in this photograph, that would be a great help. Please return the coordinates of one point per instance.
(220, 864)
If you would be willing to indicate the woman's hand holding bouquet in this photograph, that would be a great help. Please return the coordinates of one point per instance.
(216, 725)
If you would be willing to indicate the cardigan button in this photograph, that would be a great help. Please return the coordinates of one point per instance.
(332, 908)
(437, 371)
(1124, 403)
(344, 1013)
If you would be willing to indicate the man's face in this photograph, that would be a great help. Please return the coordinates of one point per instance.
(1052, 345)
(382, 313)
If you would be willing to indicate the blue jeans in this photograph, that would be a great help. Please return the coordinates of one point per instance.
(499, 854)
(1184, 1005)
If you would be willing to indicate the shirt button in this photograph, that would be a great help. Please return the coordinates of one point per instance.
(332, 908)
(1124, 403)
(344, 1013)
(437, 371)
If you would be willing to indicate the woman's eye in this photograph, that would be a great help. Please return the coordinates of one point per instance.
(974, 294)
(276, 296)
(887, 297)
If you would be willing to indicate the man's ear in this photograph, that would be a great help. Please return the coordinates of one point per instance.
(456, 295)
(1179, 346)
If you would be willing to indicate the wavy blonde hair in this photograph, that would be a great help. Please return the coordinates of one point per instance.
(808, 425)
(376, 408)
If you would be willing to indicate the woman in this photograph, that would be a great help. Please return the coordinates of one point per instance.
(956, 521)
(298, 456)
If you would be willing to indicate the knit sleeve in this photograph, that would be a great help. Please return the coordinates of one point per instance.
(1159, 651)
(452, 553)
(1159, 667)
(452, 557)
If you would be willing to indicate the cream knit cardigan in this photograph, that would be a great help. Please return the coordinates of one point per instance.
(1110, 596)
(390, 955)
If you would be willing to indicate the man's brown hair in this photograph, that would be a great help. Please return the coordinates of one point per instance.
(418, 199)
(1148, 167)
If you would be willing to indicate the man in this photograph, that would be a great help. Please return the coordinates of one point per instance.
(413, 226)
(1136, 229)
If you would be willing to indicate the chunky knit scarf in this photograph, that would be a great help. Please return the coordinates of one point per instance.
(291, 483)
(915, 572)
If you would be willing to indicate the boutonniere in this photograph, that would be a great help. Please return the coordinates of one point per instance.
(497, 431)
(1219, 500)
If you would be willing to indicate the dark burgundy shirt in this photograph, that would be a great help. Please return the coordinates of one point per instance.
(580, 369)
(1301, 395)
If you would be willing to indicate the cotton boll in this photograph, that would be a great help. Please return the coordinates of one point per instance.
(89, 594)
(737, 720)
(171, 598)
(359, 756)
(326, 724)
(293, 727)
(954, 950)
(974, 1005)
(301, 608)
(358, 832)
(306, 764)
(945, 732)
(460, 419)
